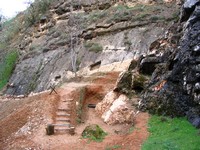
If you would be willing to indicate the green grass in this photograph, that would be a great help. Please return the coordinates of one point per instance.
(171, 134)
(6, 67)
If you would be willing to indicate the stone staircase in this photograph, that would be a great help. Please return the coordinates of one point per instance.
(63, 117)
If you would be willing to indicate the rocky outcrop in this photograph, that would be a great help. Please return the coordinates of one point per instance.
(174, 88)
(130, 82)
(115, 109)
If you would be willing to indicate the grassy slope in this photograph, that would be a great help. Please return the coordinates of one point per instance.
(6, 67)
(171, 134)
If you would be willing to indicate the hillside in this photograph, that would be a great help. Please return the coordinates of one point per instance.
(68, 67)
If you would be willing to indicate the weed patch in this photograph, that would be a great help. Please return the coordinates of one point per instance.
(93, 47)
(171, 134)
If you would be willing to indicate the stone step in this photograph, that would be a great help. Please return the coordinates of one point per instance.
(63, 98)
(64, 114)
(64, 129)
(62, 125)
(63, 119)
(63, 109)
(62, 122)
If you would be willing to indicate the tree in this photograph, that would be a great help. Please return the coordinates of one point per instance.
(74, 52)
(74, 40)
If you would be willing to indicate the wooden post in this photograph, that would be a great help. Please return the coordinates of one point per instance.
(72, 130)
(50, 129)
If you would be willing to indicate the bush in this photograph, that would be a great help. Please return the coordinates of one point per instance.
(93, 47)
(6, 67)
(94, 132)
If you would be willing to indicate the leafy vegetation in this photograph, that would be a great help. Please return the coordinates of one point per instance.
(93, 47)
(10, 29)
(94, 133)
(171, 134)
(6, 67)
(35, 11)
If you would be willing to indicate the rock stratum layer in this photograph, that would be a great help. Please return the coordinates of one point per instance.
(74, 35)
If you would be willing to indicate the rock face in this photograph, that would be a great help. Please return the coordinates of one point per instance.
(87, 31)
(174, 88)
(130, 82)
(115, 109)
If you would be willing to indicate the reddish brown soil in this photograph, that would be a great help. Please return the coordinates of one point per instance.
(24, 128)
(127, 141)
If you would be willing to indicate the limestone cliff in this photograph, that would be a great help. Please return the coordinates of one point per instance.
(72, 35)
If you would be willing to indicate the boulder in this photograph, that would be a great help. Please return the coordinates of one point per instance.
(116, 109)
(124, 83)
(105, 104)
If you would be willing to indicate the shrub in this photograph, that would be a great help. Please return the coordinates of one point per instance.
(93, 47)
(94, 132)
